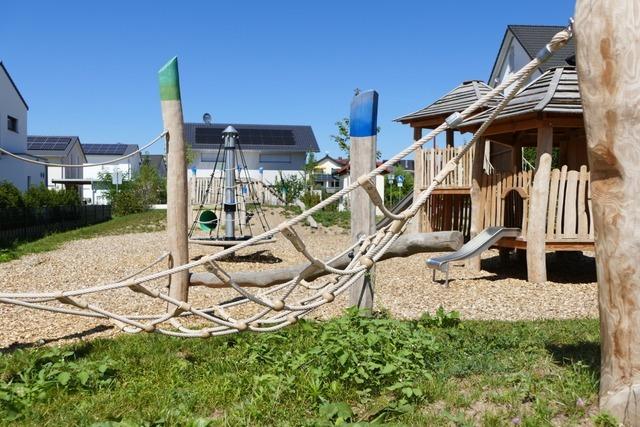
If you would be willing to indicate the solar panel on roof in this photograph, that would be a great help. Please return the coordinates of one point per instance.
(248, 136)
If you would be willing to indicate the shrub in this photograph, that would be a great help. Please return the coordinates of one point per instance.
(127, 202)
(40, 197)
(10, 196)
(137, 194)
(310, 199)
(289, 187)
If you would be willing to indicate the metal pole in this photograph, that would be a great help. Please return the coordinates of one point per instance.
(230, 135)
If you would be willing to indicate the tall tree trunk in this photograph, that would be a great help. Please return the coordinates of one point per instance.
(608, 57)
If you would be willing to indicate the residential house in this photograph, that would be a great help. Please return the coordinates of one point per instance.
(268, 149)
(521, 43)
(99, 153)
(157, 162)
(324, 173)
(13, 137)
(62, 150)
(344, 175)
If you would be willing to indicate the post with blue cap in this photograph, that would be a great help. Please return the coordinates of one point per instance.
(177, 226)
(363, 129)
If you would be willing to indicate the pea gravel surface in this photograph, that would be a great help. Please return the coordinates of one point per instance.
(403, 286)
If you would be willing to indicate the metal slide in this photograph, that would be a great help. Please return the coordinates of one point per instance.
(473, 247)
(404, 203)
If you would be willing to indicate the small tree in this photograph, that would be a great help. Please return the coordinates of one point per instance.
(289, 187)
(146, 188)
(393, 193)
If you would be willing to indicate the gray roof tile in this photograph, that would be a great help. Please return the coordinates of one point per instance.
(458, 99)
(555, 91)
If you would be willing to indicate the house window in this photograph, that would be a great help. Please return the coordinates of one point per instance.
(12, 124)
(209, 157)
(275, 158)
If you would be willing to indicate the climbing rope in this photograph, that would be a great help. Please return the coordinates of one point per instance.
(279, 304)
(84, 165)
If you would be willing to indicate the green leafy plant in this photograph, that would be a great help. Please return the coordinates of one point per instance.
(53, 370)
(290, 187)
(10, 196)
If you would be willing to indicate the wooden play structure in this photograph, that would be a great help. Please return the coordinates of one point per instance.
(550, 203)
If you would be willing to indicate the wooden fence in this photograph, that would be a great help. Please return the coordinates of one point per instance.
(569, 217)
(30, 224)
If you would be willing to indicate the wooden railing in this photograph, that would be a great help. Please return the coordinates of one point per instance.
(569, 217)
(435, 159)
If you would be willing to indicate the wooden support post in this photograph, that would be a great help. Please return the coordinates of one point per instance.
(477, 201)
(449, 140)
(608, 42)
(176, 177)
(536, 230)
(363, 126)
(417, 224)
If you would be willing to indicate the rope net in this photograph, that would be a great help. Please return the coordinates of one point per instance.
(282, 304)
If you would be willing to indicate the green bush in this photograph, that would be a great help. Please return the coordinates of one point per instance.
(137, 194)
(310, 199)
(10, 197)
(40, 197)
(127, 202)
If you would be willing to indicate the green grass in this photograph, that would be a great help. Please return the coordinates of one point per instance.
(435, 372)
(153, 220)
(325, 218)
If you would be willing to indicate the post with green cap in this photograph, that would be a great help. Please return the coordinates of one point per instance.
(363, 129)
(177, 225)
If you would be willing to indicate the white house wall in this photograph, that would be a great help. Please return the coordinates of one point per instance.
(512, 57)
(12, 105)
(289, 163)
(21, 174)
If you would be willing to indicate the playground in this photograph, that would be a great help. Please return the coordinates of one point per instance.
(403, 286)
(443, 296)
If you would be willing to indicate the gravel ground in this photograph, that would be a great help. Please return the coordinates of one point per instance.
(403, 286)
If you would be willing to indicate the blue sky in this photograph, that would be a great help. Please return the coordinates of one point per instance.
(89, 68)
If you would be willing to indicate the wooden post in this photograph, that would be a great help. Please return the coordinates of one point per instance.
(477, 201)
(176, 177)
(363, 127)
(417, 223)
(449, 140)
(608, 41)
(536, 230)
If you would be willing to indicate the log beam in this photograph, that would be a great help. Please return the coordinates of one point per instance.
(406, 245)
(608, 51)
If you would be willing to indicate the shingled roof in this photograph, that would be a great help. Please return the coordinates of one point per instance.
(458, 99)
(555, 91)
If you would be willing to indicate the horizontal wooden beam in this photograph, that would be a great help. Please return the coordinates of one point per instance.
(406, 245)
